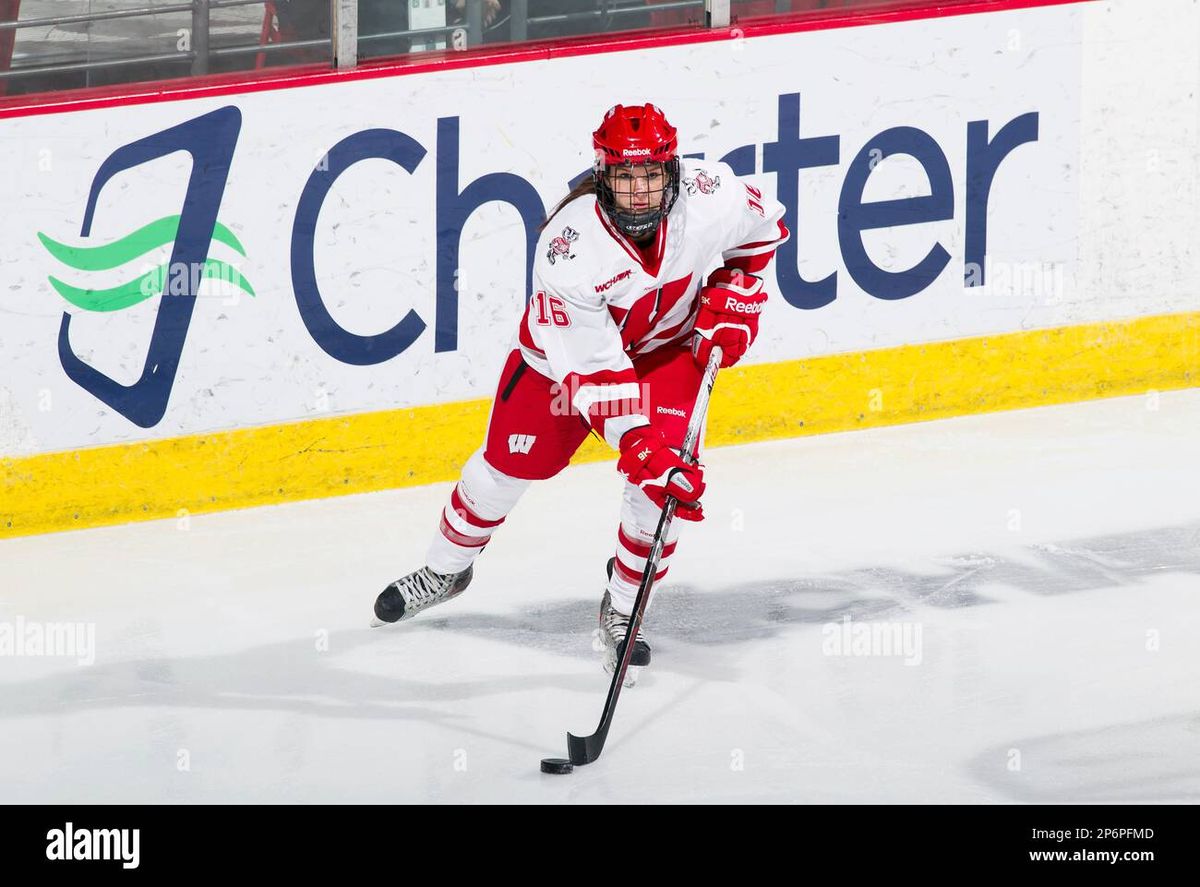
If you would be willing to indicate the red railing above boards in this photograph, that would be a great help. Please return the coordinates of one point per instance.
(803, 15)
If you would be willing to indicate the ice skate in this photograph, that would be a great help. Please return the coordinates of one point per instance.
(419, 590)
(614, 627)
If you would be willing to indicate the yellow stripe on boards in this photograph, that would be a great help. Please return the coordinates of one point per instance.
(238, 469)
(395, 448)
(913, 383)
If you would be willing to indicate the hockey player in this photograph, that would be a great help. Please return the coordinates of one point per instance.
(613, 341)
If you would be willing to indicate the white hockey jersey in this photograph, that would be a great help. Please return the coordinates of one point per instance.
(597, 303)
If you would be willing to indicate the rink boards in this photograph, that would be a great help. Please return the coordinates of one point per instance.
(989, 213)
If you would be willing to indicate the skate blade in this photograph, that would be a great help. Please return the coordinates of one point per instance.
(631, 674)
(376, 622)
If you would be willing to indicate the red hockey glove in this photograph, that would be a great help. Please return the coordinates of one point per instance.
(730, 304)
(647, 461)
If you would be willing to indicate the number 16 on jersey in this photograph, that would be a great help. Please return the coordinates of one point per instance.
(549, 310)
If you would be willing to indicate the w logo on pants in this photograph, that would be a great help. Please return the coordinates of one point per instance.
(521, 443)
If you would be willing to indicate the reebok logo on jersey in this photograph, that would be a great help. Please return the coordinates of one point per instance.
(601, 287)
(737, 307)
(521, 443)
(672, 411)
(644, 455)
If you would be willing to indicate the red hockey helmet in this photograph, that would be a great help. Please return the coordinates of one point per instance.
(633, 137)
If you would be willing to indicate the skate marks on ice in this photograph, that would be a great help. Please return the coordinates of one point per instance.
(1080, 565)
(756, 611)
(1156, 760)
(286, 676)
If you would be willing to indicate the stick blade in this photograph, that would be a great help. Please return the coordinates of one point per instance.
(584, 749)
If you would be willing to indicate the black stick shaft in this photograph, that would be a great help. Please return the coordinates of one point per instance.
(585, 749)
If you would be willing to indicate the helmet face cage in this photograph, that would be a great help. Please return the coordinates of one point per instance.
(638, 141)
(637, 225)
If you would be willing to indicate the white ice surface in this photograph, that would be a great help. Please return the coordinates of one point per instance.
(1050, 558)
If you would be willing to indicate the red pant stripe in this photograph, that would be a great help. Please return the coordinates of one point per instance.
(637, 549)
(635, 578)
(461, 539)
(461, 509)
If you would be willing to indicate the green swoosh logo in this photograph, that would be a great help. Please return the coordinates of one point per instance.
(129, 247)
(148, 285)
(104, 257)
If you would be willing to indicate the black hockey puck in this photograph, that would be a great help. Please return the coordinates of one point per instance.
(557, 765)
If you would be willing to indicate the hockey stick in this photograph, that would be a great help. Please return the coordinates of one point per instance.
(585, 749)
